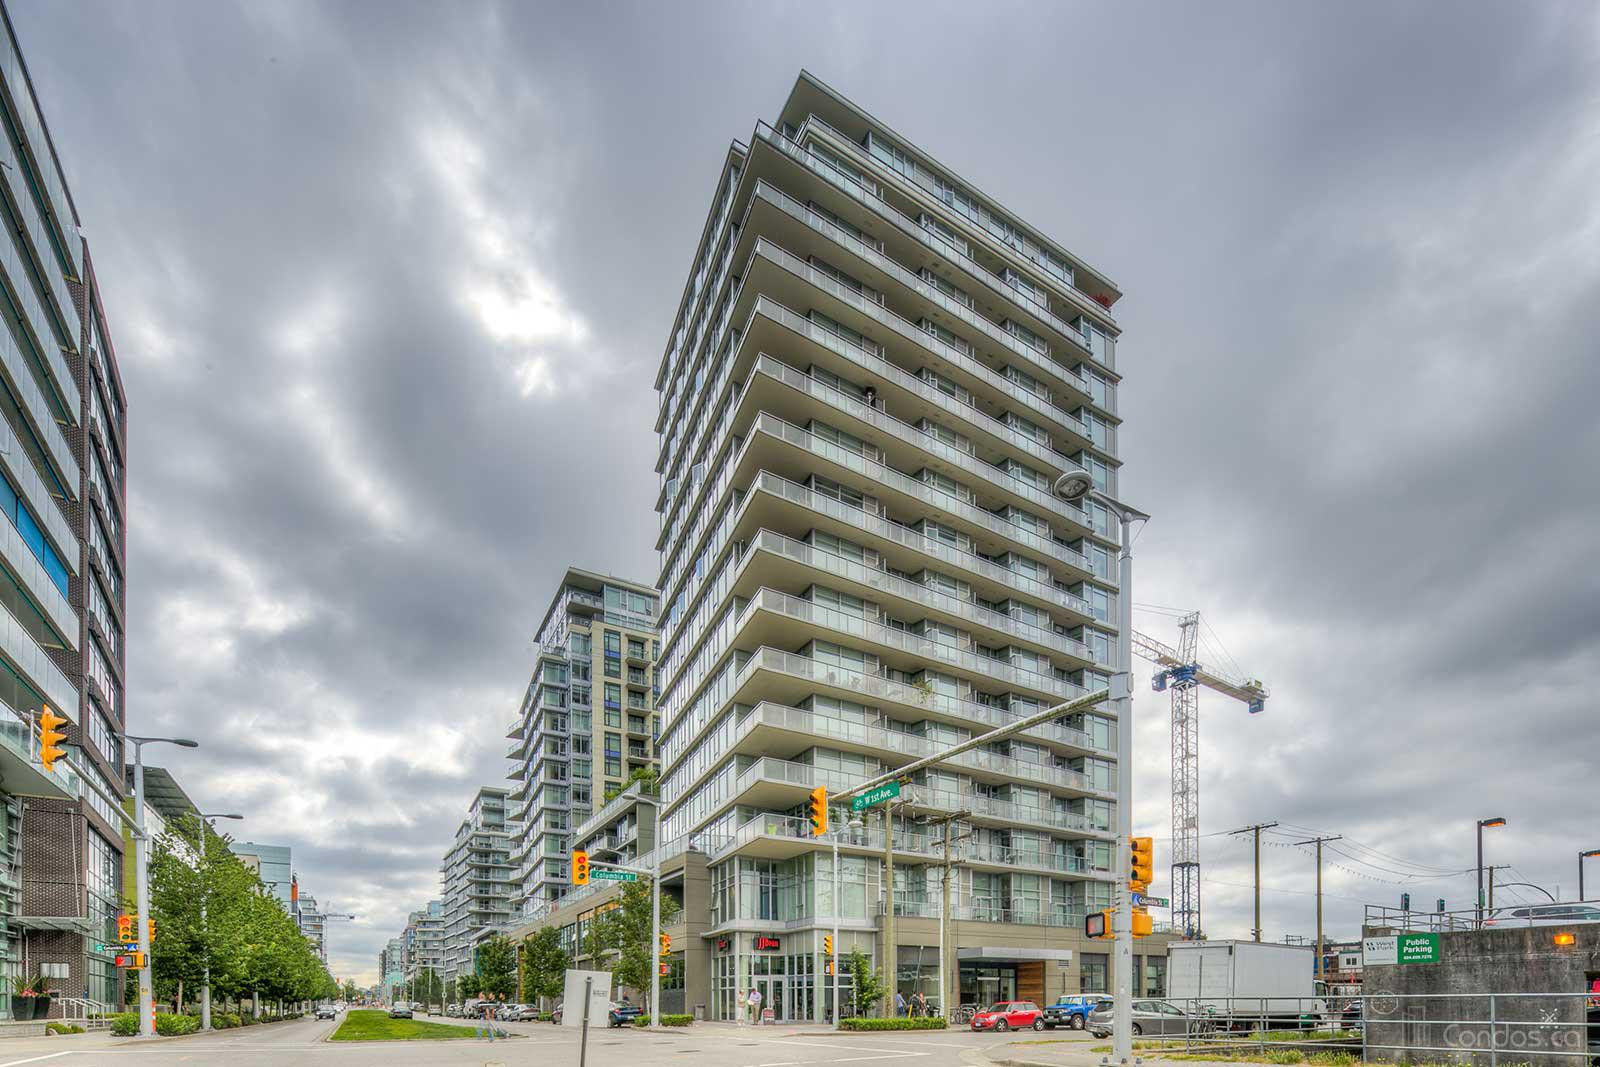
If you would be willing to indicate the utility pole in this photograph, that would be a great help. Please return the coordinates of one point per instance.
(1491, 868)
(1256, 830)
(1318, 971)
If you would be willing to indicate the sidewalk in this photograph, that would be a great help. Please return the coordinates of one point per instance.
(1066, 1052)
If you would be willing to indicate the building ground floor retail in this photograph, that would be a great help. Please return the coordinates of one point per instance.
(714, 965)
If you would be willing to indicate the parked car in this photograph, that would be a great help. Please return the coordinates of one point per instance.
(1072, 1011)
(527, 1013)
(1544, 915)
(1009, 1015)
(400, 1010)
(1154, 1017)
(327, 1011)
(555, 1014)
(622, 1014)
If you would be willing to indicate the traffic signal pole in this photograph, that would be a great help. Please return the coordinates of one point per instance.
(1122, 697)
(141, 862)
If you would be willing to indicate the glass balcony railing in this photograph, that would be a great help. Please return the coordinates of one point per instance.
(985, 474)
(926, 596)
(991, 331)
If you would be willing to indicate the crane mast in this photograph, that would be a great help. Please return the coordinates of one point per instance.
(1179, 671)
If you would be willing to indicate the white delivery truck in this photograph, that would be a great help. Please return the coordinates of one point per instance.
(1250, 984)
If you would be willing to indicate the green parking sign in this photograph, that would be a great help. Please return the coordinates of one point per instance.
(1417, 948)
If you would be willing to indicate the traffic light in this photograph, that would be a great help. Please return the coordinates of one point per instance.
(125, 928)
(50, 738)
(666, 944)
(1097, 924)
(1142, 863)
(152, 930)
(131, 959)
(1142, 926)
(830, 965)
(580, 867)
(827, 945)
(819, 811)
(664, 970)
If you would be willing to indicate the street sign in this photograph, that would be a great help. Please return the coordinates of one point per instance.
(600, 874)
(1140, 900)
(863, 801)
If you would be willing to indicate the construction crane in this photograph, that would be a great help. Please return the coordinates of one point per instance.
(1180, 672)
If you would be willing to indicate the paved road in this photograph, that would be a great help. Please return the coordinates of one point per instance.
(543, 1045)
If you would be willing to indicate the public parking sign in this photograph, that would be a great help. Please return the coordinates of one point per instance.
(1400, 948)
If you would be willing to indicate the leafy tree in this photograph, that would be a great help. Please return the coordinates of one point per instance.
(467, 986)
(544, 965)
(648, 775)
(870, 985)
(496, 962)
(625, 930)
(351, 993)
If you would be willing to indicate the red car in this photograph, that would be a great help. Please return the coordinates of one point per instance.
(1009, 1015)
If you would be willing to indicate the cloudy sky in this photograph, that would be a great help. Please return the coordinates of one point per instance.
(388, 284)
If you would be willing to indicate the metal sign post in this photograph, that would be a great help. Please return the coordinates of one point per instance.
(583, 1036)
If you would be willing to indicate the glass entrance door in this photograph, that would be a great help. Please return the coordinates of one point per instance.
(772, 996)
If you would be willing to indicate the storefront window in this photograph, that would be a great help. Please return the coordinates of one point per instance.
(1093, 973)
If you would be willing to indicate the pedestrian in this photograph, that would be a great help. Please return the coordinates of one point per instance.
(755, 1007)
(922, 1003)
(738, 1008)
(899, 1002)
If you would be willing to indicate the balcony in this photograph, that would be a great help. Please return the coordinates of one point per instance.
(775, 558)
(776, 784)
(776, 729)
(782, 836)
(793, 620)
(930, 201)
(782, 275)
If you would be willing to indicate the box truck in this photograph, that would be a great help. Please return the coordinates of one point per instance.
(1248, 983)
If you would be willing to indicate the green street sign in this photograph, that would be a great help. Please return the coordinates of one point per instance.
(1143, 901)
(1418, 948)
(600, 874)
(863, 801)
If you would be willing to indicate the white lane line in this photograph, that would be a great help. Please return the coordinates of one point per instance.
(36, 1059)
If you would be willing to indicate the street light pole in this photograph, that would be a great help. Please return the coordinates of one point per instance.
(1496, 821)
(1073, 487)
(205, 927)
(1581, 857)
(141, 854)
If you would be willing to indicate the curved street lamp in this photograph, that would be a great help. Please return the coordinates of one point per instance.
(1073, 487)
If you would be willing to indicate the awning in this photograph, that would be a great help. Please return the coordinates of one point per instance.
(993, 954)
(72, 924)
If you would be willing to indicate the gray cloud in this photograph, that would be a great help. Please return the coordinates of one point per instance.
(388, 284)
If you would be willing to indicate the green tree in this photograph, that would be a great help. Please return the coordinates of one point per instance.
(467, 986)
(351, 993)
(648, 775)
(496, 962)
(869, 984)
(544, 965)
(625, 931)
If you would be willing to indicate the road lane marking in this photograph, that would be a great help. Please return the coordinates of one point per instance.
(36, 1059)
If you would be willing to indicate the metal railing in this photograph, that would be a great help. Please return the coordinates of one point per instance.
(1483, 1029)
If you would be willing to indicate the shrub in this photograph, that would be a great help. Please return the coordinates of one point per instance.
(666, 1020)
(124, 1024)
(63, 1028)
(176, 1025)
(226, 1020)
(1286, 1056)
(1331, 1059)
(920, 1022)
(247, 1019)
